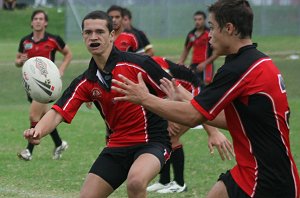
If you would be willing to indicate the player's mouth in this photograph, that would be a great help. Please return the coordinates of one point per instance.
(94, 45)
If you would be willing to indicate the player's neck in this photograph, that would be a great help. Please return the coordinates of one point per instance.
(118, 31)
(38, 35)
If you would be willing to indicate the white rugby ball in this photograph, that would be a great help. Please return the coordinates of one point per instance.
(41, 79)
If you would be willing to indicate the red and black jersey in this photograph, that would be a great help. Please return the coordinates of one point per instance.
(127, 42)
(251, 91)
(201, 51)
(143, 41)
(182, 74)
(46, 47)
(127, 124)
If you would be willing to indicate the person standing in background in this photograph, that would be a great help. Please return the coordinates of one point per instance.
(42, 43)
(202, 55)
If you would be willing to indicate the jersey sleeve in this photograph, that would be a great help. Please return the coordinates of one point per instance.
(217, 95)
(183, 73)
(21, 46)
(153, 75)
(134, 43)
(72, 98)
(60, 42)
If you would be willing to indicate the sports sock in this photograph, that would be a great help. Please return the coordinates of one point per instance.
(56, 138)
(165, 173)
(177, 158)
(29, 145)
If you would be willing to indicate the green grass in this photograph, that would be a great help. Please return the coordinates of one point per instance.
(44, 177)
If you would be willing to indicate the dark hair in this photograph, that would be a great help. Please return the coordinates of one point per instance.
(237, 12)
(115, 8)
(199, 12)
(98, 14)
(127, 12)
(37, 12)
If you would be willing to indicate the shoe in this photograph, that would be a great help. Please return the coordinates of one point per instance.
(157, 186)
(25, 155)
(57, 152)
(173, 188)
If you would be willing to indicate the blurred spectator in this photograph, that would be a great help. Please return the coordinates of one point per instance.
(9, 4)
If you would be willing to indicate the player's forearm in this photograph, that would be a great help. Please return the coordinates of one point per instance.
(48, 123)
(173, 110)
(183, 56)
(66, 61)
(219, 121)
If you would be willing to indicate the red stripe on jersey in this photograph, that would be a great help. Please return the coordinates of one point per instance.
(67, 103)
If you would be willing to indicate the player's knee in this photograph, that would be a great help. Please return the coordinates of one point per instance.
(136, 184)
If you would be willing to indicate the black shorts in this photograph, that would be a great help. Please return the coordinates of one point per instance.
(233, 190)
(113, 164)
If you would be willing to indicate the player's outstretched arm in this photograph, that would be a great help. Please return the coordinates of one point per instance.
(45, 126)
(180, 112)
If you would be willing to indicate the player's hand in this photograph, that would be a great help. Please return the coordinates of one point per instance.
(173, 128)
(133, 92)
(201, 67)
(170, 88)
(32, 136)
(223, 145)
(61, 72)
(174, 91)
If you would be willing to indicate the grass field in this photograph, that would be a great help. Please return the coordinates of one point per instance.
(44, 177)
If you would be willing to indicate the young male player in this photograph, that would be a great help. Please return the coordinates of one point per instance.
(202, 55)
(42, 43)
(247, 97)
(187, 79)
(125, 40)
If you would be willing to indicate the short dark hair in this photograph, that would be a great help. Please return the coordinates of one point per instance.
(127, 12)
(98, 14)
(237, 12)
(199, 12)
(116, 8)
(37, 12)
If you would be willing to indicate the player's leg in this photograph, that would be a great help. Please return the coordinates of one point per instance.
(60, 145)
(218, 190)
(36, 111)
(95, 187)
(177, 161)
(107, 173)
(142, 171)
(148, 162)
(226, 187)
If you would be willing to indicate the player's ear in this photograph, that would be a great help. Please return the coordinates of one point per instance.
(111, 36)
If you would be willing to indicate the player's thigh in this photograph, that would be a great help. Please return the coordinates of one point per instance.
(218, 191)
(143, 170)
(95, 186)
(37, 110)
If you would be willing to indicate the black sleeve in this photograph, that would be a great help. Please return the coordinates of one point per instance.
(60, 42)
(155, 71)
(21, 46)
(183, 73)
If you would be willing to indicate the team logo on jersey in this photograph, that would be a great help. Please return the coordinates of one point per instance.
(41, 66)
(28, 46)
(281, 83)
(96, 93)
(192, 38)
